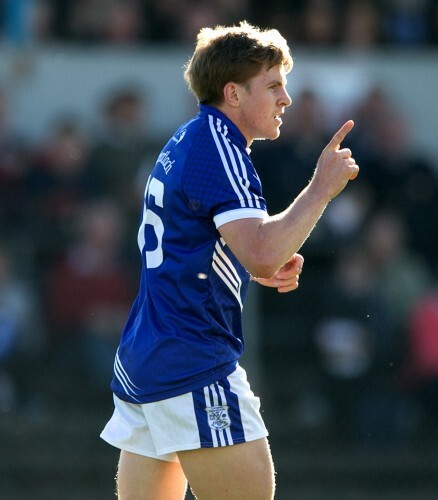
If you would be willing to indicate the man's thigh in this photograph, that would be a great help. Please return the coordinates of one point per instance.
(144, 478)
(242, 471)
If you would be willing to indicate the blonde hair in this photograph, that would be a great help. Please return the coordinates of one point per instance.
(236, 53)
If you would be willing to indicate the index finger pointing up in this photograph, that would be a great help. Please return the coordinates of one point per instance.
(340, 135)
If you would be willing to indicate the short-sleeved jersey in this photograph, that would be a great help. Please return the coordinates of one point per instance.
(185, 327)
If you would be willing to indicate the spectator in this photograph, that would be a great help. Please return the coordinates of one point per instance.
(14, 164)
(357, 349)
(125, 23)
(319, 22)
(375, 108)
(421, 363)
(396, 175)
(362, 26)
(432, 17)
(112, 21)
(419, 191)
(89, 294)
(22, 342)
(165, 19)
(122, 151)
(366, 23)
(403, 275)
(42, 18)
(171, 20)
(58, 184)
(200, 13)
(405, 22)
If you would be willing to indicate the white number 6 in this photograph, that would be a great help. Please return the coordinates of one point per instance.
(154, 188)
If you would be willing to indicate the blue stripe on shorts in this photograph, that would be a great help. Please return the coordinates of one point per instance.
(218, 415)
(237, 431)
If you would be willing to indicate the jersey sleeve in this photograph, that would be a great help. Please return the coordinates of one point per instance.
(220, 182)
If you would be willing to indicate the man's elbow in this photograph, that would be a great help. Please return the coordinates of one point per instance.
(262, 266)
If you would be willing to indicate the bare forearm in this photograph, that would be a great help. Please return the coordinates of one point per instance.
(263, 246)
(282, 235)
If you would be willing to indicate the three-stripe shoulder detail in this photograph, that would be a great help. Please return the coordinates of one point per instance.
(233, 163)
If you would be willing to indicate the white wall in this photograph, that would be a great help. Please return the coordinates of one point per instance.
(410, 77)
(48, 81)
(52, 81)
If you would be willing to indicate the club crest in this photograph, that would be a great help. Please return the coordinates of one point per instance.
(218, 417)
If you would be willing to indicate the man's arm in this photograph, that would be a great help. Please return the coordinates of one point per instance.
(286, 279)
(263, 246)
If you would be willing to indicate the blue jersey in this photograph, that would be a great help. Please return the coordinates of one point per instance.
(185, 327)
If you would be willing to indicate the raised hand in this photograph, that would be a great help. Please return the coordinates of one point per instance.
(335, 166)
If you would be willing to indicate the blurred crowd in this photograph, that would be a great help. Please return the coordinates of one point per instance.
(69, 209)
(355, 349)
(360, 332)
(352, 23)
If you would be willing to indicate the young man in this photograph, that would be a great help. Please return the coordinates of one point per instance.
(183, 407)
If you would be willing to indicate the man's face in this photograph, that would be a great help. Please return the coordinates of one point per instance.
(262, 102)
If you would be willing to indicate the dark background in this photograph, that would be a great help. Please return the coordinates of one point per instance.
(346, 366)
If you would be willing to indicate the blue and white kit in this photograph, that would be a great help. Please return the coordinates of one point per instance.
(184, 331)
(221, 414)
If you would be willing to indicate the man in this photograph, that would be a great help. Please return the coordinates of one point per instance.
(184, 409)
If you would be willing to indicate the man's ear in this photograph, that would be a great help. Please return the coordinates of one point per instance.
(232, 94)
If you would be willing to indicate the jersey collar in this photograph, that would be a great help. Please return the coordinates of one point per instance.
(233, 131)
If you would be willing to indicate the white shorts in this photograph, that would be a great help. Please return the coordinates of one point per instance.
(221, 414)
